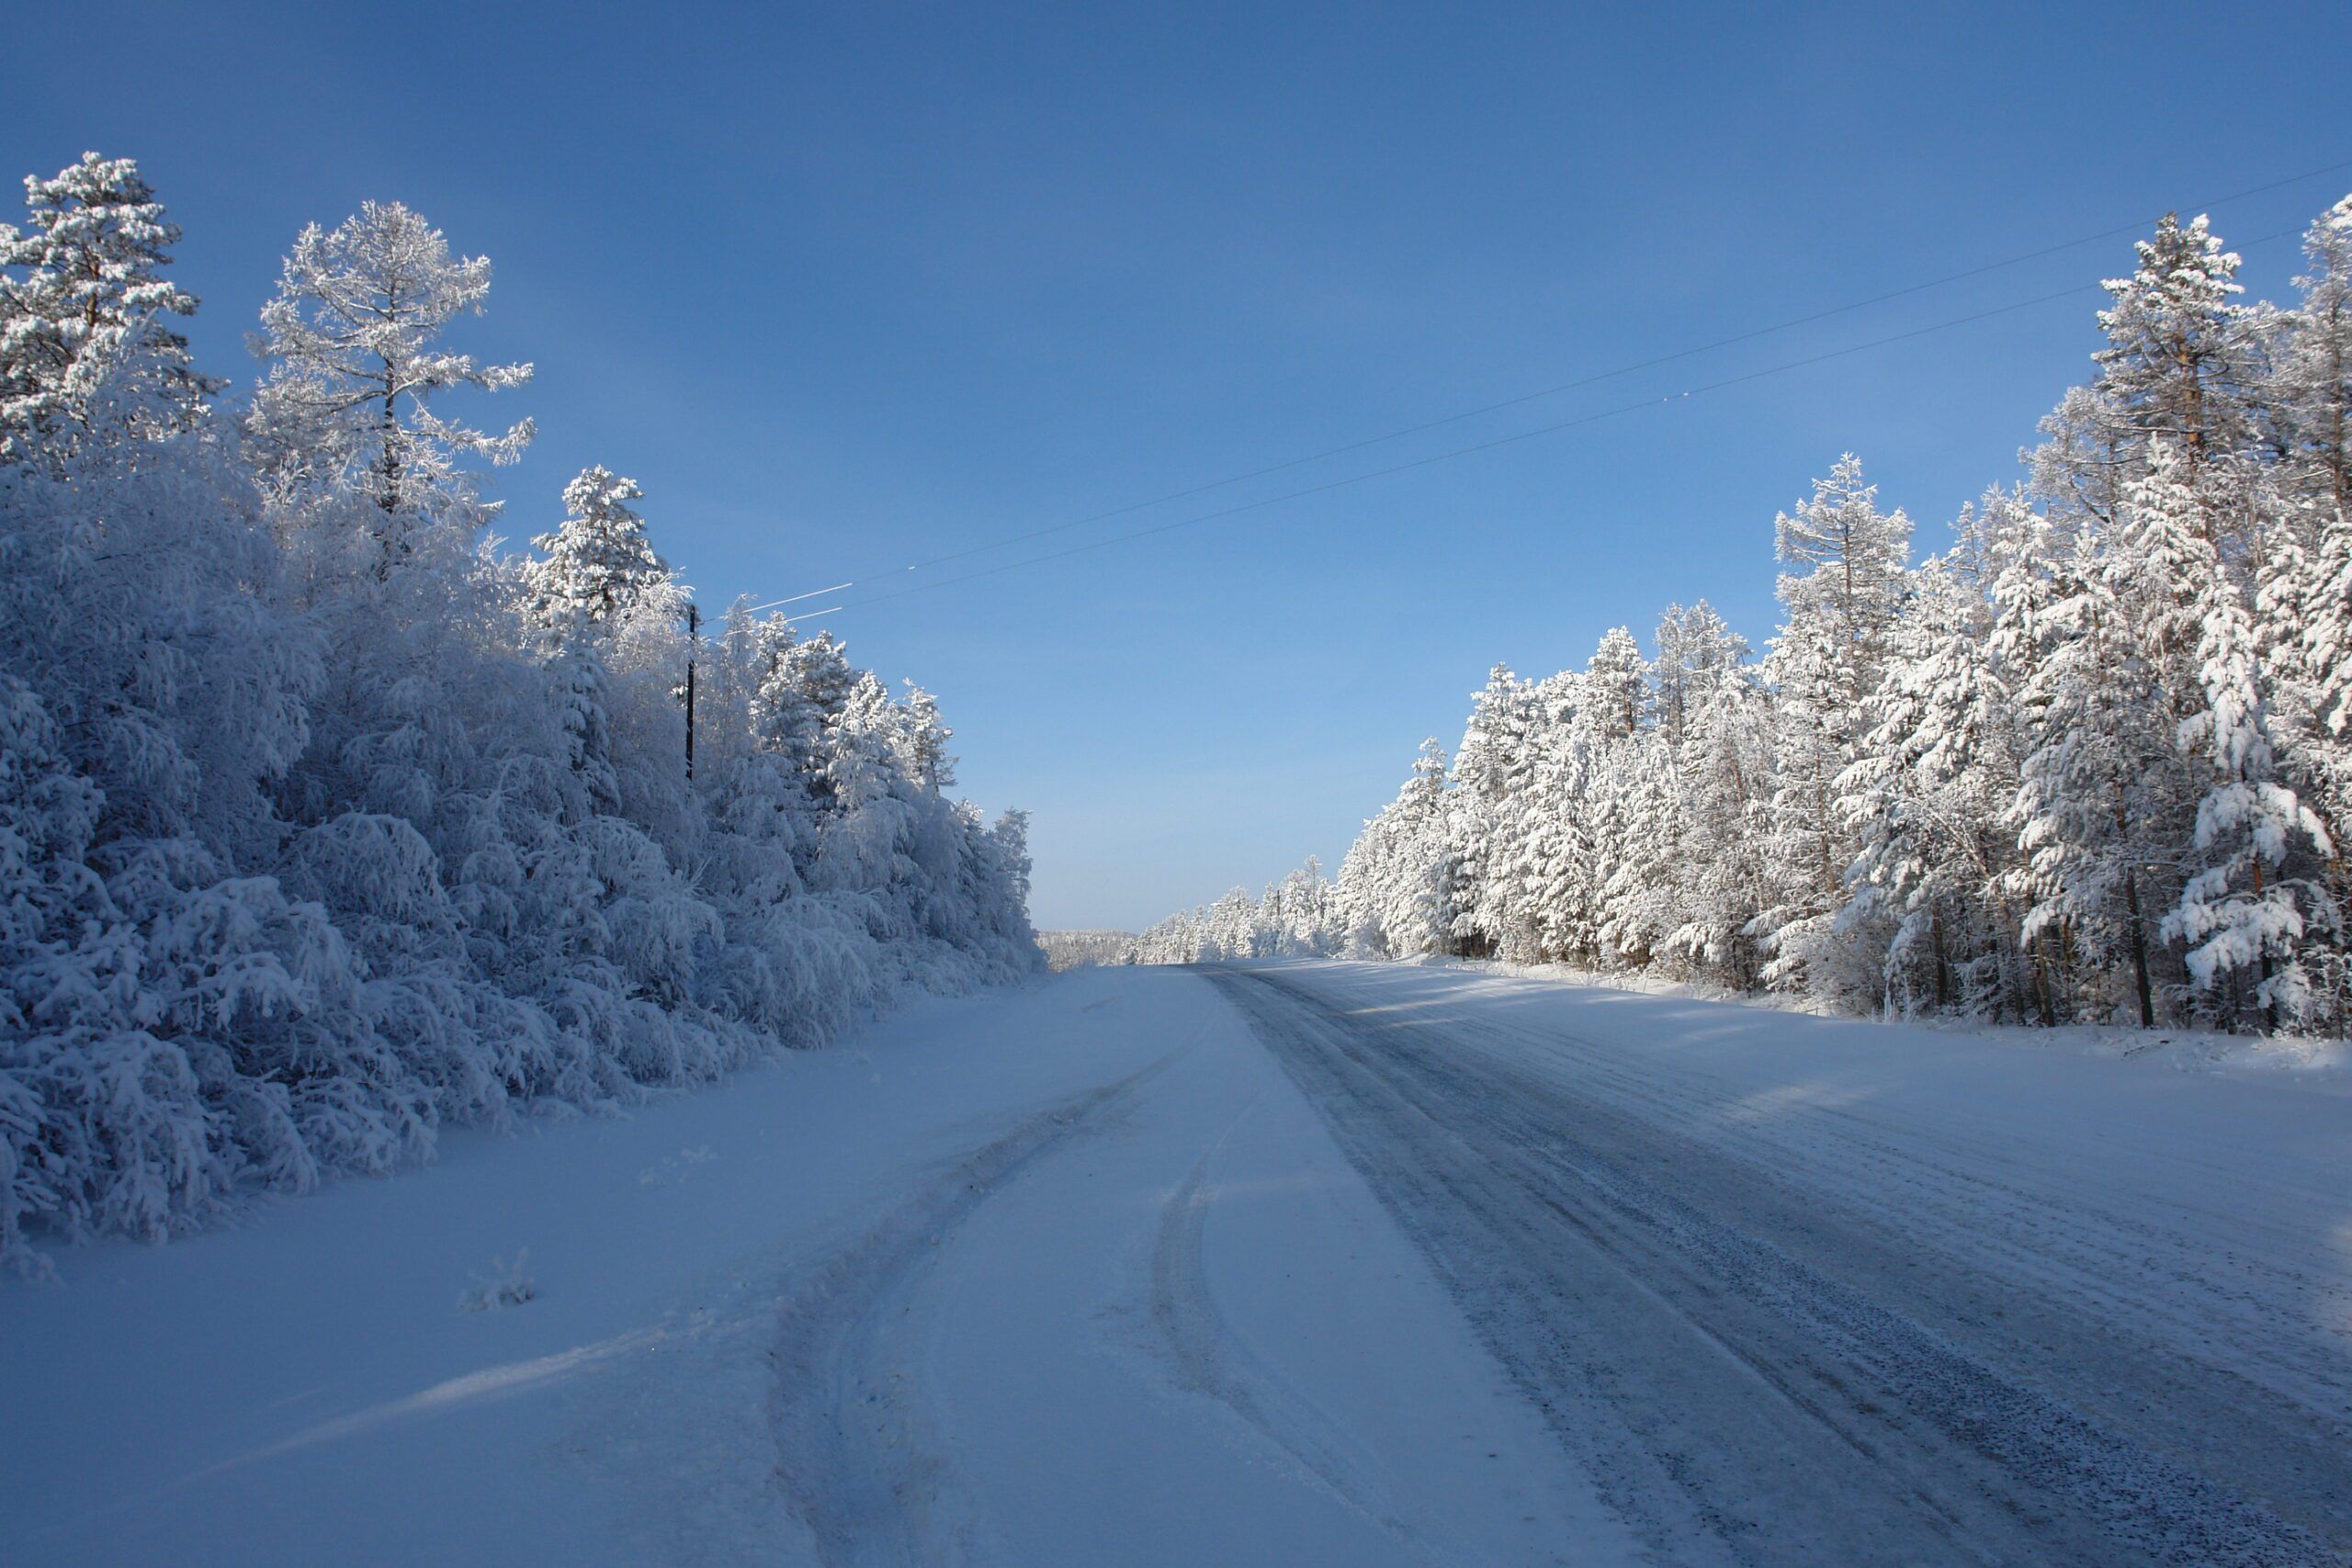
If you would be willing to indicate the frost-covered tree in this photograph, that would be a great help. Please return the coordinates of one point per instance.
(1726, 786)
(1616, 685)
(2179, 350)
(85, 339)
(2306, 609)
(1843, 603)
(599, 563)
(1938, 768)
(353, 340)
(1697, 652)
(1397, 882)
(1484, 812)
(2244, 910)
(2310, 386)
(2098, 802)
(1301, 915)
(1847, 559)
(924, 737)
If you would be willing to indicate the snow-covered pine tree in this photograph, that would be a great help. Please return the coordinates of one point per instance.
(1231, 930)
(1850, 557)
(1642, 825)
(1557, 877)
(2176, 364)
(1939, 765)
(1484, 821)
(1397, 880)
(86, 341)
(1728, 784)
(598, 564)
(1696, 652)
(2307, 601)
(1829, 657)
(925, 756)
(804, 694)
(1616, 685)
(2179, 350)
(2308, 390)
(2106, 799)
(1715, 770)
(1302, 911)
(2252, 895)
(579, 684)
(1611, 689)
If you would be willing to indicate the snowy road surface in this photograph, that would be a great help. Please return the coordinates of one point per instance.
(1277, 1264)
(1779, 1317)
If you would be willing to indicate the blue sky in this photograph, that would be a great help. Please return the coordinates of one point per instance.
(850, 286)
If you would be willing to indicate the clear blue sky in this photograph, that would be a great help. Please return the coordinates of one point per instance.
(850, 285)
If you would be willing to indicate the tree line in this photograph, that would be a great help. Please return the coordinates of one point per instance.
(324, 821)
(2089, 762)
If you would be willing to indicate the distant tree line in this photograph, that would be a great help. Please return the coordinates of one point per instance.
(1082, 950)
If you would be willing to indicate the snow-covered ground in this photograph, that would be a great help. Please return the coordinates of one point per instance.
(1065, 1274)
(1282, 1264)
(2314, 1060)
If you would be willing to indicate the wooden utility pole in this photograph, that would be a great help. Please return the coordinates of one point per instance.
(694, 645)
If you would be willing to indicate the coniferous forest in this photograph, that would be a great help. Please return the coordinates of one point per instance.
(2089, 761)
(326, 819)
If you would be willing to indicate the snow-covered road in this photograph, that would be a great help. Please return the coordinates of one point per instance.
(1277, 1264)
(1789, 1303)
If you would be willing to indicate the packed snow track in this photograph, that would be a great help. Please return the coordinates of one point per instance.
(1785, 1327)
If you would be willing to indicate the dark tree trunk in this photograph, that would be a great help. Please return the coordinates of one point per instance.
(2139, 949)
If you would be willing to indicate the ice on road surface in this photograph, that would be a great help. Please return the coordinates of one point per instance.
(1299, 1263)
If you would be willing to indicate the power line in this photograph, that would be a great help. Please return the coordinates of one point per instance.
(795, 598)
(1592, 379)
(1500, 441)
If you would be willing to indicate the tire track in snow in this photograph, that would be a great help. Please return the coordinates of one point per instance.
(1797, 1418)
(853, 1456)
(2181, 1330)
(1203, 1357)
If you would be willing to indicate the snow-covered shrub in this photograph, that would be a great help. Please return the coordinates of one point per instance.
(507, 1284)
(321, 826)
